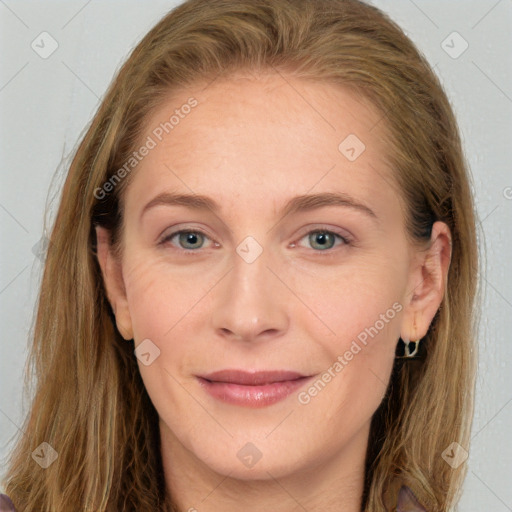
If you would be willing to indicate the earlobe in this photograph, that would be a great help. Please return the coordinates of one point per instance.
(113, 282)
(427, 283)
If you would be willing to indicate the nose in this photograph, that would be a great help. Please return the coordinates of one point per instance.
(251, 302)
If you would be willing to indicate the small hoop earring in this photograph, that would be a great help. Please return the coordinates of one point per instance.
(408, 353)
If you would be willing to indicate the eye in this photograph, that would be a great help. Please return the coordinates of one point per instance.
(187, 239)
(323, 239)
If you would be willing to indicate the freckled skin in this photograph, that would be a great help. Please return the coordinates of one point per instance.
(252, 143)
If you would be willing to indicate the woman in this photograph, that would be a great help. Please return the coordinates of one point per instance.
(259, 286)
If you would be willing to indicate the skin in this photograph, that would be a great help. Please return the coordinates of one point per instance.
(252, 143)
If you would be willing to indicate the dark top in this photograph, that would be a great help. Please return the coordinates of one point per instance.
(6, 504)
(407, 502)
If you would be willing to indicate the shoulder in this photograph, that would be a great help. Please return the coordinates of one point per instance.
(407, 502)
(6, 504)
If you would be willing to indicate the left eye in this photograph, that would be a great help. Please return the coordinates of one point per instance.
(322, 239)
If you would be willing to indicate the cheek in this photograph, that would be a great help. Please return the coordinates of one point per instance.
(360, 311)
(362, 301)
(158, 299)
(147, 298)
(159, 304)
(358, 360)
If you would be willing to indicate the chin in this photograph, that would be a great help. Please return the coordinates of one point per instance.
(253, 461)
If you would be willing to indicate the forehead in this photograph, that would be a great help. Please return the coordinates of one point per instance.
(263, 135)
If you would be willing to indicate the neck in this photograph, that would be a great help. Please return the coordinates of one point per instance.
(332, 483)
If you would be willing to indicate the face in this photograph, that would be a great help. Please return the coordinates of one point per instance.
(255, 277)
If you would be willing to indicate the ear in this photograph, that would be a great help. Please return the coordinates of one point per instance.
(114, 284)
(427, 282)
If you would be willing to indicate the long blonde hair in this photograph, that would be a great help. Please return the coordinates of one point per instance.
(90, 403)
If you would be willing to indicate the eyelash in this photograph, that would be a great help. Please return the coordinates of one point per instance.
(344, 239)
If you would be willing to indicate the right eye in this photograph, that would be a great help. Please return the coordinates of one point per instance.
(188, 240)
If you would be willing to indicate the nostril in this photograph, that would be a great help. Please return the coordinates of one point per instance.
(227, 332)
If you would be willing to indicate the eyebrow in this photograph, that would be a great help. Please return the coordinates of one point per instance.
(296, 204)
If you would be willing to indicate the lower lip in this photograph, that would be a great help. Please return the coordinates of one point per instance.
(252, 396)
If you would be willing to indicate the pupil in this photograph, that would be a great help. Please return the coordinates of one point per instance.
(190, 239)
(322, 240)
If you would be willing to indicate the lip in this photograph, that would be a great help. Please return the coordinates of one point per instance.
(252, 389)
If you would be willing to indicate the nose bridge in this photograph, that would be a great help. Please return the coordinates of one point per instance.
(251, 302)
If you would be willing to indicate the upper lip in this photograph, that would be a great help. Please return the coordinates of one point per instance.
(252, 378)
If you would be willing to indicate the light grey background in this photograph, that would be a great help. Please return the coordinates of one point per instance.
(45, 105)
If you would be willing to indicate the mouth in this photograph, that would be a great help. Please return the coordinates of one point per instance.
(252, 389)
